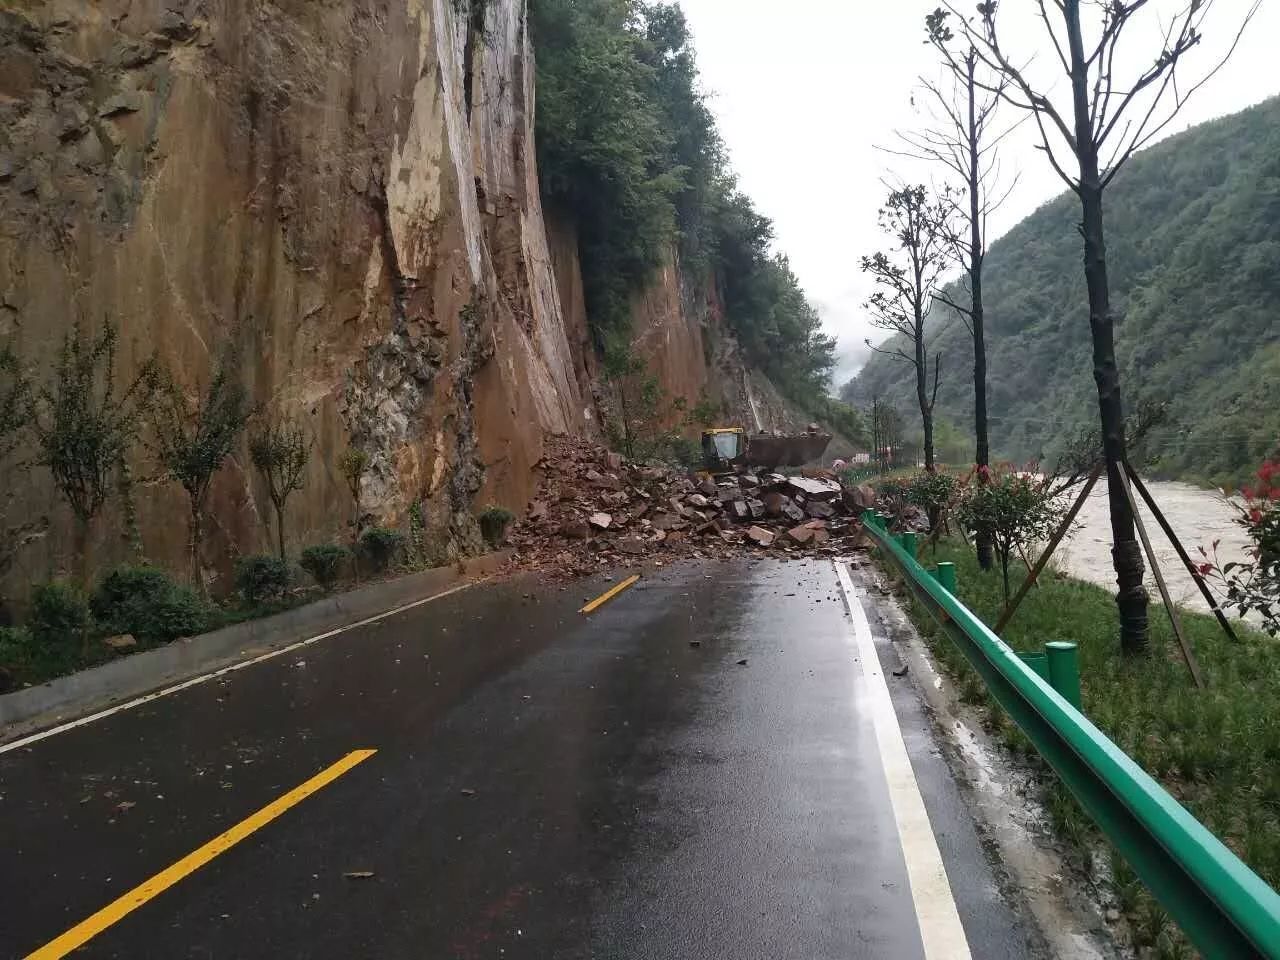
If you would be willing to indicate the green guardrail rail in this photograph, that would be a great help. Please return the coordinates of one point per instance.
(1225, 909)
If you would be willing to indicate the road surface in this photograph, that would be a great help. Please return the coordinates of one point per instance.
(696, 769)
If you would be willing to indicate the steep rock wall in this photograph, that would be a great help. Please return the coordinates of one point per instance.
(679, 326)
(344, 190)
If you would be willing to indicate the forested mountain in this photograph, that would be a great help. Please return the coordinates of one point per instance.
(1193, 230)
(629, 150)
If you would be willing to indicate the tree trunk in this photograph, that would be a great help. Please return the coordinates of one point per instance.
(922, 395)
(1126, 554)
(280, 530)
(355, 536)
(982, 452)
(195, 539)
(81, 537)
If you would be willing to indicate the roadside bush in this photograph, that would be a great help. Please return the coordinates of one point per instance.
(934, 493)
(1253, 586)
(324, 562)
(261, 577)
(891, 488)
(58, 625)
(493, 525)
(14, 644)
(146, 602)
(380, 545)
(1015, 509)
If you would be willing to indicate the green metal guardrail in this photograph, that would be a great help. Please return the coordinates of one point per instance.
(1224, 908)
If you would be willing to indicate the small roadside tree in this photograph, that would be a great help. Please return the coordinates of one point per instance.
(85, 428)
(1015, 509)
(281, 451)
(907, 279)
(1117, 106)
(193, 435)
(886, 435)
(643, 424)
(354, 464)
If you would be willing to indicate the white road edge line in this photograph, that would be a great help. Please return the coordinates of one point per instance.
(940, 929)
(213, 675)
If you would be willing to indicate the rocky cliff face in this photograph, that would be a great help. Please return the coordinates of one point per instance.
(347, 190)
(344, 190)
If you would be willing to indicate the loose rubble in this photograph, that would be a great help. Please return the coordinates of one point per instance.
(593, 508)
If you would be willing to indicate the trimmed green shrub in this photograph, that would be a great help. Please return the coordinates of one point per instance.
(14, 651)
(261, 577)
(324, 562)
(146, 602)
(58, 624)
(380, 545)
(493, 525)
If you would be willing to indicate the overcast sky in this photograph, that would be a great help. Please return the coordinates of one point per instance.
(805, 91)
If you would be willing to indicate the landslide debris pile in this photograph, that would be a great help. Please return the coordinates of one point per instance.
(594, 507)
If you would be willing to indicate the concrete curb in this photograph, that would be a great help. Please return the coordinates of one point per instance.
(89, 690)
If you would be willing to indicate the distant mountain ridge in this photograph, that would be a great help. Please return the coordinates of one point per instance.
(1193, 231)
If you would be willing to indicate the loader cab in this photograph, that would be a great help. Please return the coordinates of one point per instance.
(723, 448)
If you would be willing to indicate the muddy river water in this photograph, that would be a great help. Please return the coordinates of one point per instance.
(1198, 516)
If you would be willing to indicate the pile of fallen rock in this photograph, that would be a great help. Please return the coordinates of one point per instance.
(594, 506)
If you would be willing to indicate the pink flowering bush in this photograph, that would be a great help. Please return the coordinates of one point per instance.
(1253, 586)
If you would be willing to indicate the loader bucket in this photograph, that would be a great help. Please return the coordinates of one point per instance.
(764, 450)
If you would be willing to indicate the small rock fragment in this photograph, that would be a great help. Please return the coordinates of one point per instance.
(800, 535)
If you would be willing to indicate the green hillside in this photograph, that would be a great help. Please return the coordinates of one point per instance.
(1193, 230)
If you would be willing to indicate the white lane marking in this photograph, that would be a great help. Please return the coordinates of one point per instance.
(195, 681)
(939, 921)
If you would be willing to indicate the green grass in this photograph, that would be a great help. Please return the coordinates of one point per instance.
(1217, 750)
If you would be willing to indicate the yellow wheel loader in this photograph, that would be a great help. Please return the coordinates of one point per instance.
(729, 449)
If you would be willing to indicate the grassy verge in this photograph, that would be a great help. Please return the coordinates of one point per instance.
(1216, 750)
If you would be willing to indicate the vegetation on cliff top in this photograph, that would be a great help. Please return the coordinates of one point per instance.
(1194, 252)
(627, 145)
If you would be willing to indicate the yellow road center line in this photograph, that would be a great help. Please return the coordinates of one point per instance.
(610, 593)
(86, 930)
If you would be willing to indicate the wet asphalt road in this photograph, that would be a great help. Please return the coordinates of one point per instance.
(546, 785)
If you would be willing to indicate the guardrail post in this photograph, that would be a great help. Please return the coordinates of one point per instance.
(908, 541)
(946, 576)
(1064, 670)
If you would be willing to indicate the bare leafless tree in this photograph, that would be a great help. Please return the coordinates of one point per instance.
(1119, 102)
(907, 279)
(962, 132)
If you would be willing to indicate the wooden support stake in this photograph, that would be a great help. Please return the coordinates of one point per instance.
(1187, 653)
(1182, 553)
(1035, 582)
(1048, 550)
